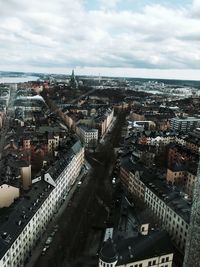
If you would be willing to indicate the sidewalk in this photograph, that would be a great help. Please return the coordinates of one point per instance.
(37, 250)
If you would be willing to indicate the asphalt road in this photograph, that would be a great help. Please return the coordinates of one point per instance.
(82, 224)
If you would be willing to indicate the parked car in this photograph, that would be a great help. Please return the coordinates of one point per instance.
(114, 180)
(56, 227)
(49, 240)
(53, 233)
(44, 250)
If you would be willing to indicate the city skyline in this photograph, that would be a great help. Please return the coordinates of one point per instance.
(153, 39)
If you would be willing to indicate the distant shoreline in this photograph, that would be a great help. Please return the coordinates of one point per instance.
(18, 79)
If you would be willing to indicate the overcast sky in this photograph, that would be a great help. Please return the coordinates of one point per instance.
(139, 38)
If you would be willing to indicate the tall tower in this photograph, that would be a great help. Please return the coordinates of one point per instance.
(73, 81)
(192, 249)
(73, 76)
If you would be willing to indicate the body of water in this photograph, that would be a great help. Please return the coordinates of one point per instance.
(18, 79)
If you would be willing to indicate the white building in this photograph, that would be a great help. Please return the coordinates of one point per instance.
(7, 195)
(154, 250)
(172, 212)
(185, 124)
(170, 207)
(29, 103)
(27, 222)
(89, 137)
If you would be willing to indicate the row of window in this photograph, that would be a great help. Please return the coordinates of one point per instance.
(45, 214)
(150, 263)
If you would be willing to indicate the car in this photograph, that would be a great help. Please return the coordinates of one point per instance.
(114, 180)
(53, 233)
(69, 204)
(86, 166)
(44, 250)
(79, 183)
(49, 240)
(55, 228)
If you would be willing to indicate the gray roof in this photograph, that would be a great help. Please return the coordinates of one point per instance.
(76, 147)
(138, 248)
(19, 215)
(167, 193)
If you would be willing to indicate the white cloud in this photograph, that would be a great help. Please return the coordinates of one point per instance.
(107, 4)
(196, 5)
(59, 34)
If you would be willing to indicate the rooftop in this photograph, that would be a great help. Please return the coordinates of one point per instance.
(167, 193)
(133, 249)
(13, 222)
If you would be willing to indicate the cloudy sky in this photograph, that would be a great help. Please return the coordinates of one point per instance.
(138, 38)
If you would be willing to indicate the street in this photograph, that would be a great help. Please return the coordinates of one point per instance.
(82, 224)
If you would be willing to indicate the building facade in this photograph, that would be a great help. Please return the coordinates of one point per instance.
(185, 124)
(89, 137)
(153, 249)
(28, 221)
(171, 209)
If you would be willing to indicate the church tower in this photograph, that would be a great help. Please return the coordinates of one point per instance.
(73, 81)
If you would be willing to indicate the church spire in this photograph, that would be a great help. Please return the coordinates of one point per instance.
(73, 81)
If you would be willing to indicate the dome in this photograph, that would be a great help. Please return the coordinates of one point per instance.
(108, 252)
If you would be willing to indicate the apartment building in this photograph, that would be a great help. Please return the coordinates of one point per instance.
(154, 249)
(179, 154)
(30, 103)
(171, 209)
(183, 177)
(88, 136)
(136, 187)
(94, 117)
(104, 121)
(24, 225)
(167, 203)
(185, 124)
(192, 141)
(8, 194)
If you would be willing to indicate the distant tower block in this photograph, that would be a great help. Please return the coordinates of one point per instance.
(192, 250)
